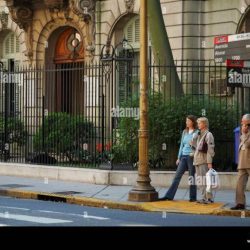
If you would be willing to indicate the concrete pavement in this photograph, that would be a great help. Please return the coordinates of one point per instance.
(114, 197)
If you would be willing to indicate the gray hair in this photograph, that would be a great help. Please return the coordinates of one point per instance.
(204, 120)
(246, 117)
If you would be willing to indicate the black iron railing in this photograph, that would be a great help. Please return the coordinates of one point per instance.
(87, 115)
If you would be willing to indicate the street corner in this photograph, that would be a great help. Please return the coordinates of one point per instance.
(181, 206)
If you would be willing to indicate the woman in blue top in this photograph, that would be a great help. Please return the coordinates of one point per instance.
(185, 161)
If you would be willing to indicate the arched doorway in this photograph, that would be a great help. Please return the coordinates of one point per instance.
(65, 56)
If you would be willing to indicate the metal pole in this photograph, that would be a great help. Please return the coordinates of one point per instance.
(143, 191)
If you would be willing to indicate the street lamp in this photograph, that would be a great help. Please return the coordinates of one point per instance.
(143, 191)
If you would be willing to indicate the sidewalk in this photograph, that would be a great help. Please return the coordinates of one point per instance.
(114, 197)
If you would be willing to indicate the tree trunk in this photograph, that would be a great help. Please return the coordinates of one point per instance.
(169, 80)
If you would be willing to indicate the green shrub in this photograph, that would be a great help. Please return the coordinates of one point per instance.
(16, 132)
(166, 122)
(64, 133)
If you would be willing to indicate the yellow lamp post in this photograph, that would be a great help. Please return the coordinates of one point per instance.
(143, 191)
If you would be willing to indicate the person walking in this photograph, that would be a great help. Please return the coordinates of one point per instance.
(185, 161)
(203, 158)
(243, 164)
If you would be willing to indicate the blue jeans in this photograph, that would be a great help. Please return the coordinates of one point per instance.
(186, 163)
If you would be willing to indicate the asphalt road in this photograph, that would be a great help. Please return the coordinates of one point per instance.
(19, 212)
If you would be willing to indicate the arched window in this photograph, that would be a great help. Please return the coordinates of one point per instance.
(10, 51)
(69, 47)
(132, 32)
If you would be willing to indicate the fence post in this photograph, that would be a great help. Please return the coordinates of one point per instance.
(43, 132)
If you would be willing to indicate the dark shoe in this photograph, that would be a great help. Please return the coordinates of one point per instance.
(238, 207)
(209, 201)
(164, 199)
(192, 200)
(202, 201)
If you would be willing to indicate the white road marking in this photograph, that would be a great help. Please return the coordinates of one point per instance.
(95, 217)
(19, 208)
(42, 220)
(80, 215)
(3, 225)
(137, 225)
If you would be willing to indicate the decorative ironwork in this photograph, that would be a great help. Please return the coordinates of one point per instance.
(108, 52)
(123, 51)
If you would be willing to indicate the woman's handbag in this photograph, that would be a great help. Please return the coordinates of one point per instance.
(203, 147)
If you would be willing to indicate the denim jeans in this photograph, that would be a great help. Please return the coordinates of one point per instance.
(186, 163)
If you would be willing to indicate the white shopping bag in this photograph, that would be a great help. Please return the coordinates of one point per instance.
(212, 180)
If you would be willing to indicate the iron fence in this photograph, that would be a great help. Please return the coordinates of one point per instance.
(88, 115)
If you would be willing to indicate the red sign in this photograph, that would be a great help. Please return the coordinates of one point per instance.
(235, 63)
(220, 39)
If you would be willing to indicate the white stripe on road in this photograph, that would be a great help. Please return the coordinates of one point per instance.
(137, 225)
(94, 217)
(3, 225)
(71, 214)
(19, 208)
(42, 220)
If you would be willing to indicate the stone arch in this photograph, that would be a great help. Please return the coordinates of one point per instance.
(48, 30)
(118, 26)
(245, 18)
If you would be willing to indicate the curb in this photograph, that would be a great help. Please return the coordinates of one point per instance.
(85, 201)
(93, 202)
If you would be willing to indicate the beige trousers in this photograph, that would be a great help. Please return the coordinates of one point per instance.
(243, 175)
(201, 183)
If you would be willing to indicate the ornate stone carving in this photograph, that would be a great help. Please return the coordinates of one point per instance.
(55, 5)
(4, 16)
(130, 5)
(84, 8)
(22, 15)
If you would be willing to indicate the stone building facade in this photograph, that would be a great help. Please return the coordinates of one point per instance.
(30, 30)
